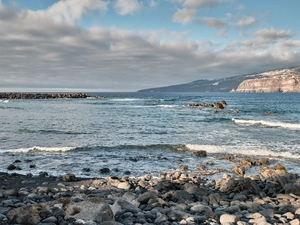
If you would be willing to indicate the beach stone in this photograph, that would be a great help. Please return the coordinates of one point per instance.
(51, 219)
(232, 185)
(10, 192)
(69, 177)
(214, 199)
(181, 196)
(238, 170)
(269, 172)
(175, 176)
(227, 218)
(94, 208)
(144, 198)
(295, 222)
(204, 209)
(121, 204)
(2, 217)
(161, 218)
(124, 185)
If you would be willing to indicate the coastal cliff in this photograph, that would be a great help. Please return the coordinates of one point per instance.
(272, 84)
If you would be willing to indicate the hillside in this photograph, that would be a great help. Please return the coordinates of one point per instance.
(241, 83)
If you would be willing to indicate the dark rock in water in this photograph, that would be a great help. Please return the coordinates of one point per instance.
(86, 169)
(127, 172)
(104, 170)
(43, 174)
(32, 166)
(183, 167)
(11, 167)
(201, 153)
(17, 161)
(218, 105)
(69, 177)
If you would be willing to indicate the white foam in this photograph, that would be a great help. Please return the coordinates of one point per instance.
(242, 150)
(125, 99)
(268, 123)
(38, 149)
(168, 106)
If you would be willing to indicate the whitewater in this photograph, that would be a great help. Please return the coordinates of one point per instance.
(140, 133)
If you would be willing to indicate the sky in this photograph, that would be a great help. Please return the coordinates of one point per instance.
(128, 45)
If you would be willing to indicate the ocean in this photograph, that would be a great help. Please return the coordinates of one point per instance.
(147, 132)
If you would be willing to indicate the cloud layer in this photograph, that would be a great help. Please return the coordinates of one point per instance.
(46, 49)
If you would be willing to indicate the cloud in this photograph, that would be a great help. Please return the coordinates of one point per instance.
(223, 33)
(214, 23)
(273, 34)
(125, 7)
(246, 22)
(189, 8)
(73, 10)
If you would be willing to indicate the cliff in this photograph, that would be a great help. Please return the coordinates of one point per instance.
(284, 80)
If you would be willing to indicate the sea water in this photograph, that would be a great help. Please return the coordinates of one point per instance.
(147, 132)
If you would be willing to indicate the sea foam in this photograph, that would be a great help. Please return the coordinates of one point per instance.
(239, 150)
(38, 149)
(265, 123)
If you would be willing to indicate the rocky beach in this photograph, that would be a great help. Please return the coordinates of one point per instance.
(272, 196)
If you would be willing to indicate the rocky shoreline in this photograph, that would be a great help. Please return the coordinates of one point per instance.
(10, 96)
(270, 197)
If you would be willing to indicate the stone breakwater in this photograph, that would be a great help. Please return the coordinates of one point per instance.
(42, 95)
(270, 197)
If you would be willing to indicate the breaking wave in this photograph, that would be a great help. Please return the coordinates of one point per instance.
(270, 124)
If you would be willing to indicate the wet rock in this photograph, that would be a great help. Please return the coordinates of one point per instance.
(11, 167)
(269, 172)
(200, 153)
(69, 177)
(238, 170)
(183, 167)
(104, 170)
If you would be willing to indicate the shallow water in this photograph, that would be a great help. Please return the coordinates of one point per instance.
(147, 132)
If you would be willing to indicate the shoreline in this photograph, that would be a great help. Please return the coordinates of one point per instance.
(270, 197)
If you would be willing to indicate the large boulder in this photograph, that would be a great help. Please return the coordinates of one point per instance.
(230, 184)
(92, 209)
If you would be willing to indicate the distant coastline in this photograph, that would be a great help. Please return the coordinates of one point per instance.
(18, 95)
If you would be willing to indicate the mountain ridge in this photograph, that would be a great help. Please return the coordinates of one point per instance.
(229, 83)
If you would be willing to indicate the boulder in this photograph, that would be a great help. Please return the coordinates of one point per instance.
(228, 219)
(233, 185)
(238, 170)
(200, 153)
(69, 177)
(271, 172)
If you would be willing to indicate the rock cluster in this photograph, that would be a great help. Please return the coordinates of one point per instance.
(42, 95)
(218, 105)
(270, 197)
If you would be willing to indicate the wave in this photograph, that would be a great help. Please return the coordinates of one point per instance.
(213, 149)
(270, 124)
(38, 149)
(163, 148)
(50, 132)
